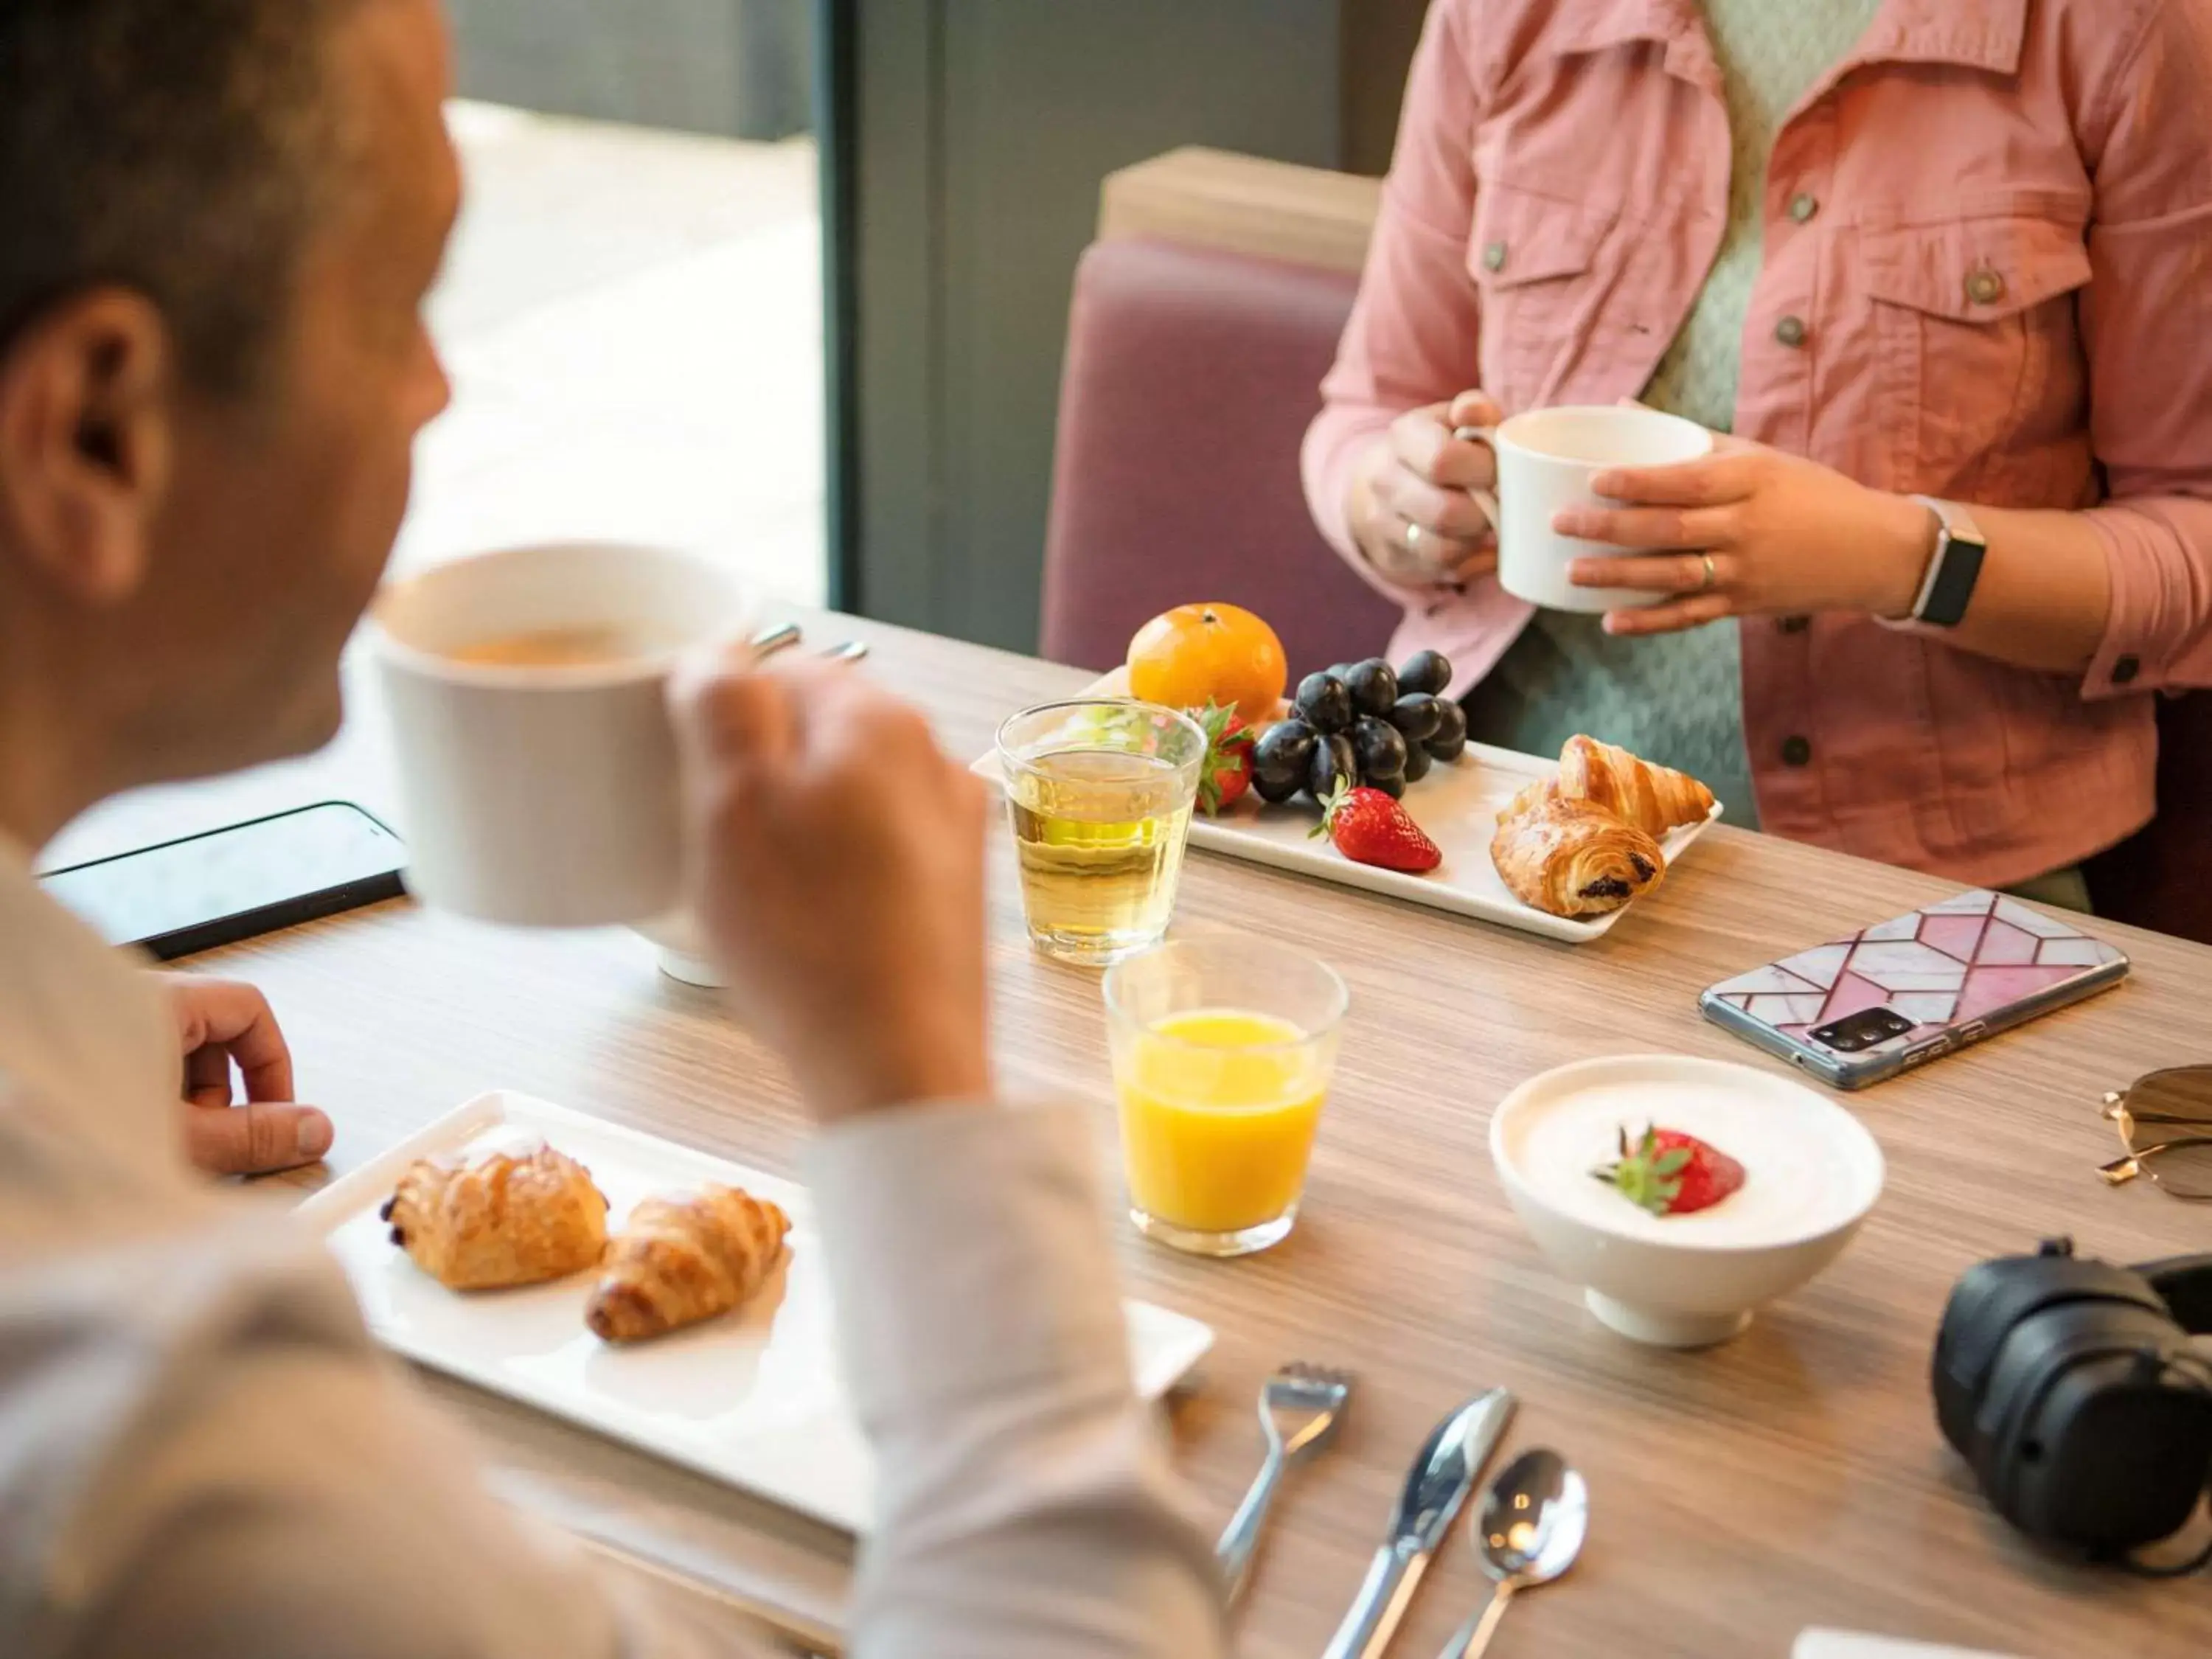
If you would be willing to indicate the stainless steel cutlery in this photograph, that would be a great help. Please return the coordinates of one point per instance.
(1436, 1486)
(773, 640)
(1528, 1532)
(1300, 1408)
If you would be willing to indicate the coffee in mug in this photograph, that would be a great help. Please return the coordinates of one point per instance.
(585, 647)
(1546, 459)
(527, 695)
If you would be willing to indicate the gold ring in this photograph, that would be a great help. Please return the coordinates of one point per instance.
(1413, 538)
(1711, 578)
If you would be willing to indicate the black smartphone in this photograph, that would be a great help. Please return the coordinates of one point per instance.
(229, 884)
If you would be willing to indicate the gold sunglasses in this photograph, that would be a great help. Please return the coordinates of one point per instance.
(2176, 1150)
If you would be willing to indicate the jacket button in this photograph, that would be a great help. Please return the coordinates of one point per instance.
(1985, 287)
(1493, 256)
(1803, 206)
(2125, 670)
(1790, 331)
(1794, 624)
(1797, 751)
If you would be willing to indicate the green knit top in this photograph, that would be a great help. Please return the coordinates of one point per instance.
(1678, 698)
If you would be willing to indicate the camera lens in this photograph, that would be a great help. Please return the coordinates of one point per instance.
(1866, 1029)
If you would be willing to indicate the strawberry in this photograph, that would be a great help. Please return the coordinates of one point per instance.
(1369, 828)
(1670, 1173)
(1227, 773)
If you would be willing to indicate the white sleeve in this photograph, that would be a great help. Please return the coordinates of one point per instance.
(207, 1456)
(1026, 1508)
(201, 1451)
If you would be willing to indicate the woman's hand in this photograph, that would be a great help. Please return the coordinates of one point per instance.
(1410, 513)
(1750, 530)
(223, 1026)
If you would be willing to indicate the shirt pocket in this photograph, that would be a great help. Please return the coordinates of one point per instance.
(1534, 257)
(1974, 332)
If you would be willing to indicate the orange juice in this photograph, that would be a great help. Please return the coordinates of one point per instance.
(1218, 1111)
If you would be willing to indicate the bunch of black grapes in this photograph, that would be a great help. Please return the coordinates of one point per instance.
(1362, 724)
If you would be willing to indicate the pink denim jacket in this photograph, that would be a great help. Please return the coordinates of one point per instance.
(1987, 278)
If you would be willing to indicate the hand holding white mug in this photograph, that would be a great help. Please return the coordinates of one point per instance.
(1748, 531)
(1410, 511)
(1545, 462)
(837, 867)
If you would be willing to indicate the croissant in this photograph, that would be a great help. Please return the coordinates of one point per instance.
(683, 1259)
(1530, 798)
(1574, 858)
(1654, 799)
(506, 1211)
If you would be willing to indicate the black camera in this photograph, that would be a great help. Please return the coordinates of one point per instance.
(2075, 1392)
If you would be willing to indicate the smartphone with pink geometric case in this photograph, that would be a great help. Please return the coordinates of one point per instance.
(1858, 1011)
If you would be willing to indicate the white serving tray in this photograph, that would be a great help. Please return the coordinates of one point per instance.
(1457, 805)
(752, 1399)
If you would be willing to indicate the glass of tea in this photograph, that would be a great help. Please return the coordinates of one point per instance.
(1100, 794)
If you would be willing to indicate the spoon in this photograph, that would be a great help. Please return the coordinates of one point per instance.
(1529, 1532)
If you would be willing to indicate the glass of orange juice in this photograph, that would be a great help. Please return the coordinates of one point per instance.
(1223, 1050)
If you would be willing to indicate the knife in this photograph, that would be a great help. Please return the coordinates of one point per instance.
(1438, 1483)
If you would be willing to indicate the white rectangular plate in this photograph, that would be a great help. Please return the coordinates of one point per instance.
(1457, 805)
(752, 1399)
(1842, 1644)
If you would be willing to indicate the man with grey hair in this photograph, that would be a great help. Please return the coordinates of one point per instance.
(218, 223)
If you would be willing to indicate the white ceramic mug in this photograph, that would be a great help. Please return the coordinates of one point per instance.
(1546, 459)
(547, 796)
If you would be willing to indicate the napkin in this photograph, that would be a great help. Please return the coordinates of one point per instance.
(1843, 1644)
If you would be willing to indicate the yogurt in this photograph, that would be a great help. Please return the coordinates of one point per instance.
(1808, 1168)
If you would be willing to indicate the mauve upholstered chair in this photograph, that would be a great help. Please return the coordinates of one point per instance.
(1191, 375)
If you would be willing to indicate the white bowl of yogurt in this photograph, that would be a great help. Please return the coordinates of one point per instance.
(1811, 1174)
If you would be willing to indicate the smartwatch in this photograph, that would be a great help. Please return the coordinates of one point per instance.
(1955, 567)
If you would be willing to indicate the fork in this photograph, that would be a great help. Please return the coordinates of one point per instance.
(1299, 1408)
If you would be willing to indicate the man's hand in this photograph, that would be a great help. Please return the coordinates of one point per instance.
(839, 872)
(221, 1024)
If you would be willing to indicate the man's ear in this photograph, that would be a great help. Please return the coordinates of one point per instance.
(88, 394)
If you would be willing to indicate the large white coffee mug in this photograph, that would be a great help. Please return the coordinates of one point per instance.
(537, 795)
(1546, 459)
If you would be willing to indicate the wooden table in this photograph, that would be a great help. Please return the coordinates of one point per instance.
(1794, 1477)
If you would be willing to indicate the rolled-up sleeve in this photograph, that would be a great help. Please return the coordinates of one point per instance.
(1412, 337)
(2147, 324)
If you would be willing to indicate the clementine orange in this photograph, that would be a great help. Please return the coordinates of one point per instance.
(1195, 654)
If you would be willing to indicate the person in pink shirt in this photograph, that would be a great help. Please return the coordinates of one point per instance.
(1942, 269)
